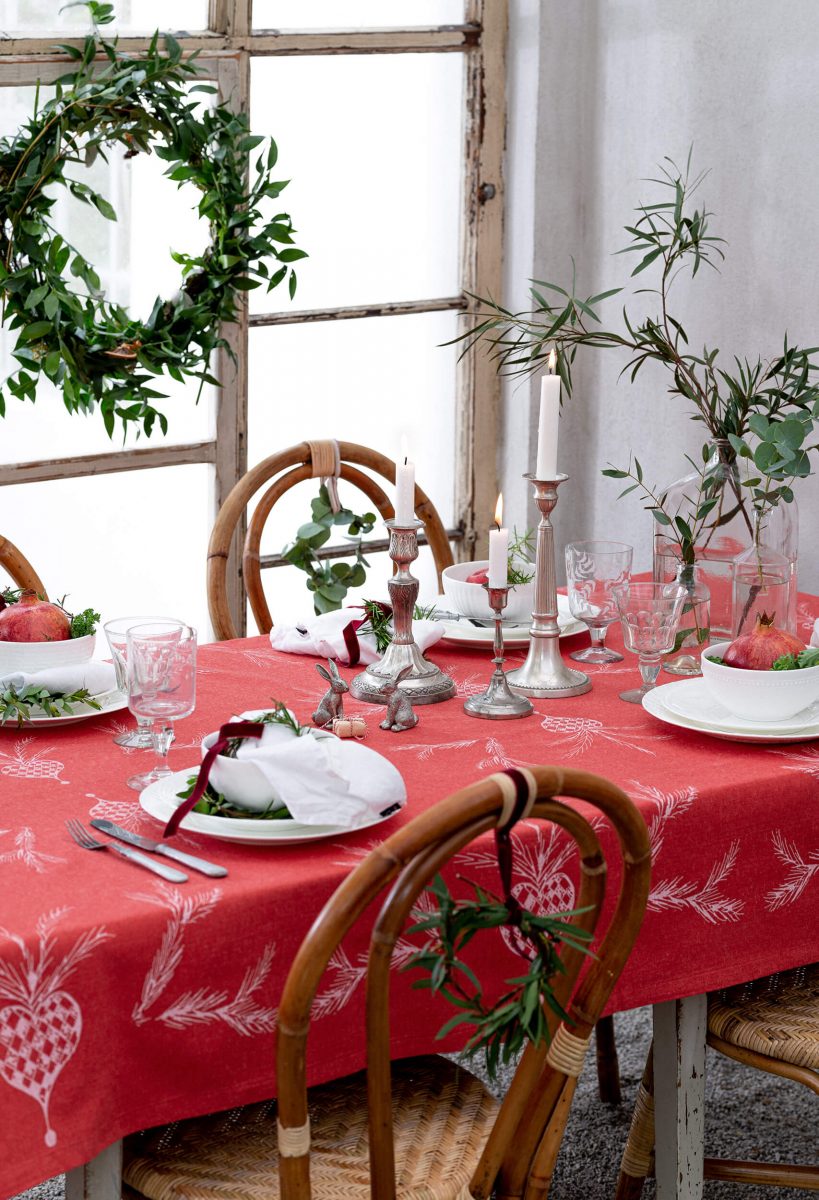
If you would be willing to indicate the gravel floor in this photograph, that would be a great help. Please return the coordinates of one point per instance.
(749, 1115)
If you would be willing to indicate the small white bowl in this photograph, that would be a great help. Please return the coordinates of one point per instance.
(763, 696)
(39, 656)
(470, 599)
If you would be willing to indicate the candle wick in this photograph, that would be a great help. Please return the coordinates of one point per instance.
(406, 459)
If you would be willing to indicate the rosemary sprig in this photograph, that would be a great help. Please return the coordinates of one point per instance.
(19, 706)
(279, 715)
(521, 557)
(501, 1026)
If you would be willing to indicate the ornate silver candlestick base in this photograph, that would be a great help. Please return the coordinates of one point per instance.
(426, 683)
(544, 674)
(497, 703)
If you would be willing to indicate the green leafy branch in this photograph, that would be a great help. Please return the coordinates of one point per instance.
(329, 583)
(33, 701)
(280, 714)
(503, 1025)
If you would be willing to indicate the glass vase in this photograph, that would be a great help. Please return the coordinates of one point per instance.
(727, 532)
(694, 630)
(764, 582)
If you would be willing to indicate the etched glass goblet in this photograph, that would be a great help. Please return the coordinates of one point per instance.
(649, 614)
(161, 685)
(593, 570)
(116, 632)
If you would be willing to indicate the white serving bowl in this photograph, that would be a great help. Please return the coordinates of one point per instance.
(470, 599)
(761, 696)
(39, 656)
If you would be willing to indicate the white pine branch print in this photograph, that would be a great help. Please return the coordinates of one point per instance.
(707, 901)
(346, 978)
(800, 872)
(243, 1013)
(166, 960)
(667, 806)
(26, 854)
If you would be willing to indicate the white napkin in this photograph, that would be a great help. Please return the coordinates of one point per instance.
(323, 636)
(96, 676)
(322, 779)
(814, 637)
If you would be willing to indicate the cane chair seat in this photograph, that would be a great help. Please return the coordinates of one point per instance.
(777, 1016)
(442, 1116)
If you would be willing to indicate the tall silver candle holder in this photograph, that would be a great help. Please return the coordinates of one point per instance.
(426, 683)
(544, 673)
(497, 703)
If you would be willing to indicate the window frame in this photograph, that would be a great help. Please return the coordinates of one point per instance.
(226, 49)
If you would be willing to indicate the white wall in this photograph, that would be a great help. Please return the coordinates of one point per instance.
(621, 83)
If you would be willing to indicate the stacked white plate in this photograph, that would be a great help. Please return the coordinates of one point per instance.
(515, 634)
(689, 705)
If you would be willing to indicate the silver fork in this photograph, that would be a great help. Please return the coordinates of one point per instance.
(84, 839)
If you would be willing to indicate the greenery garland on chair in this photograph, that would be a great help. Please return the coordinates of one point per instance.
(92, 349)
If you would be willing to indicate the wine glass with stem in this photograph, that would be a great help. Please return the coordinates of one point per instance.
(116, 632)
(593, 570)
(649, 615)
(161, 664)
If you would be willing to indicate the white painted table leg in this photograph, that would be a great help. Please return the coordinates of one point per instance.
(100, 1179)
(679, 1097)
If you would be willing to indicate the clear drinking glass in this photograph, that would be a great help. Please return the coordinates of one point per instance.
(593, 571)
(649, 614)
(116, 632)
(161, 664)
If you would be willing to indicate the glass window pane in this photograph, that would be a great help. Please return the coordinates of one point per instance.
(351, 14)
(370, 381)
(38, 17)
(125, 543)
(132, 257)
(372, 145)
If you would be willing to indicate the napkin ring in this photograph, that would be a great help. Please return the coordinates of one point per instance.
(350, 727)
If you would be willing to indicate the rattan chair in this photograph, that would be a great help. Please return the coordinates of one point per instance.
(308, 460)
(15, 564)
(770, 1023)
(423, 1128)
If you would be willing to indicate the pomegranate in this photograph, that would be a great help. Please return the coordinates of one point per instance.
(759, 650)
(33, 620)
(478, 577)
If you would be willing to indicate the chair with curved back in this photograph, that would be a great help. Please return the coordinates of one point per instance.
(15, 564)
(422, 1128)
(771, 1024)
(309, 460)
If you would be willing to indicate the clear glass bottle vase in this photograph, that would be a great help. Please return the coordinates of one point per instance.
(764, 581)
(694, 630)
(726, 534)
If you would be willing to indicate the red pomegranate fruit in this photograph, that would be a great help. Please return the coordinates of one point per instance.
(759, 649)
(33, 620)
(478, 577)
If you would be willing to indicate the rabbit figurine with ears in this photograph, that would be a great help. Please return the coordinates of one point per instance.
(330, 706)
(399, 704)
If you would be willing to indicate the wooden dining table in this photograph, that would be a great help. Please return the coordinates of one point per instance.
(128, 1002)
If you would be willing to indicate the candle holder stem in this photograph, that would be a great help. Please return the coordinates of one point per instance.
(544, 674)
(425, 683)
(498, 703)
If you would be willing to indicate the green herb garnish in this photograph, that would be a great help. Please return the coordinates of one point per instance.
(19, 706)
(809, 657)
(214, 804)
(521, 556)
(278, 715)
(83, 624)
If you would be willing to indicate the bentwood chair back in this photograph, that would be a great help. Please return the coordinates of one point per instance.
(421, 1129)
(771, 1024)
(325, 459)
(15, 564)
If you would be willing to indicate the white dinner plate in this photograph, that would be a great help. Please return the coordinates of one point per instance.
(110, 702)
(659, 701)
(515, 635)
(160, 800)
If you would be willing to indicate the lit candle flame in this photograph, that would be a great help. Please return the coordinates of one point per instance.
(499, 511)
(552, 361)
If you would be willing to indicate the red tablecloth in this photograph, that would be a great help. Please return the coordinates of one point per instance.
(126, 1002)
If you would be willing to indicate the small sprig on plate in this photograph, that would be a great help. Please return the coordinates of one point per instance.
(214, 804)
(35, 701)
(280, 714)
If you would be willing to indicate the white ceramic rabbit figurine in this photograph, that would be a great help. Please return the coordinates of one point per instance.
(399, 704)
(330, 706)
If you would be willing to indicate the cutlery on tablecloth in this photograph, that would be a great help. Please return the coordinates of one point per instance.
(84, 839)
(134, 839)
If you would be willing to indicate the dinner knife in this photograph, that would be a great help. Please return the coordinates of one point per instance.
(134, 839)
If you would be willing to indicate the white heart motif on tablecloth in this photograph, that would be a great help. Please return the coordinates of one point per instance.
(40, 1022)
(35, 1045)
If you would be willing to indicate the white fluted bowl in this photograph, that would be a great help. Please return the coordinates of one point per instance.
(40, 656)
(470, 599)
(758, 695)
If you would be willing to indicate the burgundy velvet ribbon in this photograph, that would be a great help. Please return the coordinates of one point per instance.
(503, 844)
(233, 729)
(350, 631)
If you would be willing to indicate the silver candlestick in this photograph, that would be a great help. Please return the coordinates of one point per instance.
(544, 674)
(425, 683)
(497, 702)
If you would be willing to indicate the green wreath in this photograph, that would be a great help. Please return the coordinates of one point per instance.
(93, 350)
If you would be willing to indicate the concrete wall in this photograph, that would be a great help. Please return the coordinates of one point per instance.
(600, 91)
